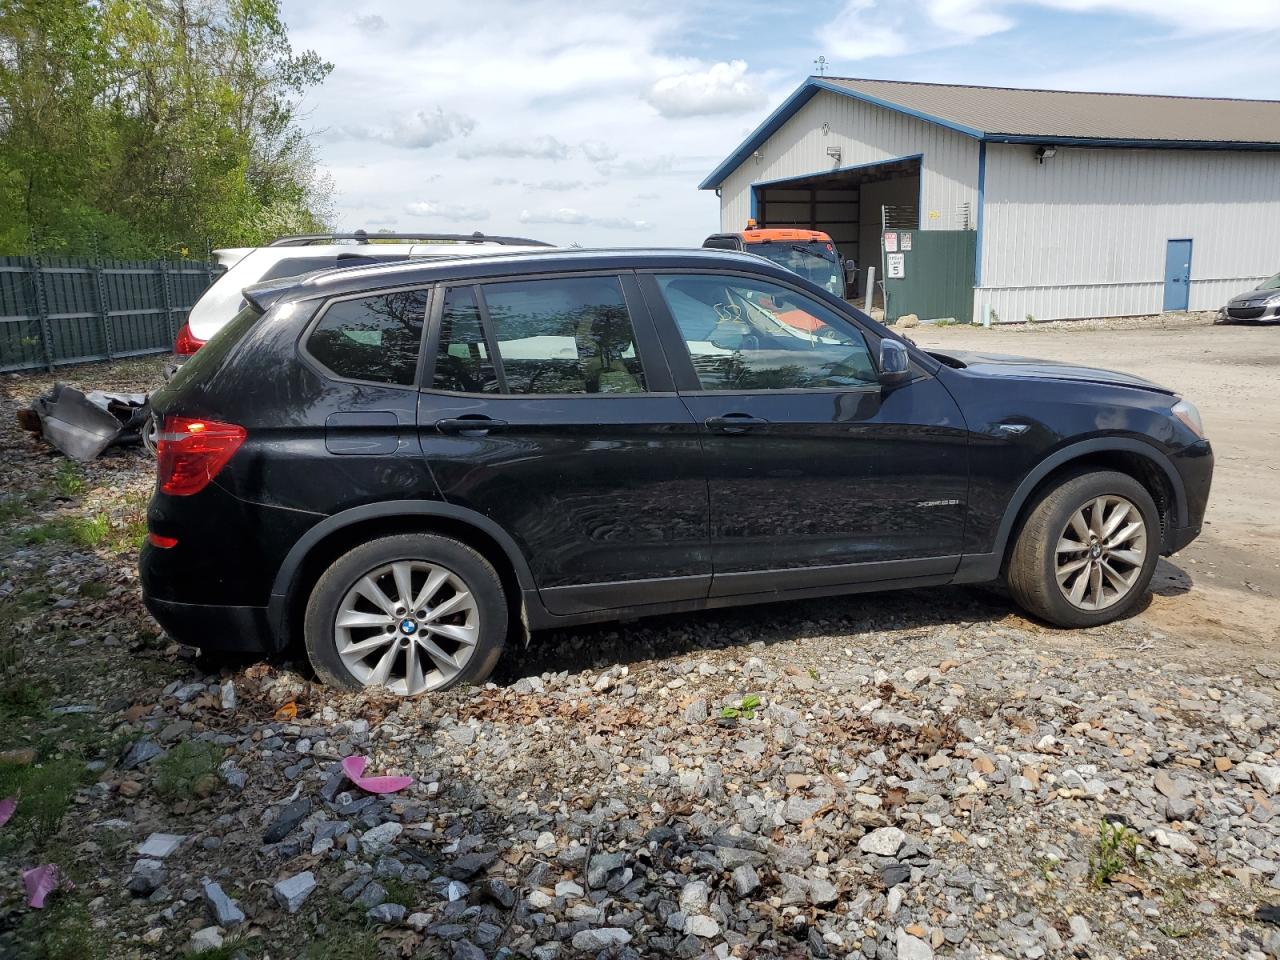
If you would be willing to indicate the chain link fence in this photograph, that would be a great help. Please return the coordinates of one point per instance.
(56, 311)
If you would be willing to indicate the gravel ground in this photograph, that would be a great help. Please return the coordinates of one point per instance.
(887, 776)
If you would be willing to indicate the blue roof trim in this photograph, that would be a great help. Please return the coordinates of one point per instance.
(822, 173)
(807, 90)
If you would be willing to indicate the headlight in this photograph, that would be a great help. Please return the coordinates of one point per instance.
(1273, 300)
(1186, 411)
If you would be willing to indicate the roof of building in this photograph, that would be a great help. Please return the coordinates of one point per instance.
(1008, 115)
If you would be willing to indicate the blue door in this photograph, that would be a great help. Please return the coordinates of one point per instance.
(1177, 275)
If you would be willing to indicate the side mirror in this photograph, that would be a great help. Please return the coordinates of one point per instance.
(895, 363)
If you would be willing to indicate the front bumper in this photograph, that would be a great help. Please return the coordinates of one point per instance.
(1194, 464)
(1240, 313)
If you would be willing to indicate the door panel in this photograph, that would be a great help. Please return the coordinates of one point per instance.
(812, 467)
(835, 478)
(1177, 275)
(601, 483)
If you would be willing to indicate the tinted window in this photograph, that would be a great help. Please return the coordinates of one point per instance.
(373, 338)
(570, 335)
(295, 266)
(463, 363)
(754, 335)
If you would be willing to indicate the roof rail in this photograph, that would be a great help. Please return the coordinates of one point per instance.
(361, 236)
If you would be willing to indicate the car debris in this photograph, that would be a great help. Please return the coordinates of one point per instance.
(82, 425)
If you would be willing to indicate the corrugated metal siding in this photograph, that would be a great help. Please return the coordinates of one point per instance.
(865, 134)
(1084, 234)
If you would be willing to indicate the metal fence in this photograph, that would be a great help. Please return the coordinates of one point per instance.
(57, 311)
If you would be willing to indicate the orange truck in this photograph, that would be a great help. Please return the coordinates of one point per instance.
(809, 253)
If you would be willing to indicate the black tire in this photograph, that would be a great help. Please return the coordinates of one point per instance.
(478, 575)
(1032, 571)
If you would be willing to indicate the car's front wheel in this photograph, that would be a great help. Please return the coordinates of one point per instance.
(1087, 551)
(411, 613)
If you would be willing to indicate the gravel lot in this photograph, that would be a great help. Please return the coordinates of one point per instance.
(881, 776)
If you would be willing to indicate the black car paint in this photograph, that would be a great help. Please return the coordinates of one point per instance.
(618, 505)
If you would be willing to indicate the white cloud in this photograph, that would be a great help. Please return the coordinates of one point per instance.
(370, 23)
(541, 148)
(720, 88)
(569, 215)
(453, 212)
(417, 130)
(597, 151)
(556, 186)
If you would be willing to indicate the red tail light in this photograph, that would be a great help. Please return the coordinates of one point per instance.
(164, 543)
(191, 452)
(187, 342)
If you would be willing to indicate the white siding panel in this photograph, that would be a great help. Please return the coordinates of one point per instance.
(1084, 234)
(864, 134)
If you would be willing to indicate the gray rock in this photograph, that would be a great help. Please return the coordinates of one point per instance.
(822, 892)
(227, 694)
(1080, 932)
(293, 891)
(701, 926)
(470, 865)
(799, 809)
(466, 950)
(188, 692)
(912, 948)
(696, 712)
(160, 845)
(600, 938)
(142, 751)
(463, 735)
(222, 908)
(387, 913)
(884, 842)
(287, 820)
(371, 895)
(145, 878)
(694, 898)
(745, 880)
(895, 873)
(208, 938)
(379, 839)
(603, 864)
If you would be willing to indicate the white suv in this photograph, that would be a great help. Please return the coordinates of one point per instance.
(293, 256)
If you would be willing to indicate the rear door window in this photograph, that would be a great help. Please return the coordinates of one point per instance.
(375, 338)
(568, 335)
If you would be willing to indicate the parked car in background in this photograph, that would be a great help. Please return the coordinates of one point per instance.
(807, 253)
(292, 256)
(1261, 304)
(398, 465)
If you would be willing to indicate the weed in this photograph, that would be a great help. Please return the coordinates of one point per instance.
(345, 942)
(14, 508)
(44, 793)
(69, 480)
(1177, 933)
(21, 698)
(745, 710)
(1117, 852)
(231, 947)
(93, 531)
(813, 674)
(62, 931)
(398, 891)
(93, 589)
(60, 530)
(178, 771)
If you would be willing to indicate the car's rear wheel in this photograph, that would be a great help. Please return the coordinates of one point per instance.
(1087, 551)
(411, 613)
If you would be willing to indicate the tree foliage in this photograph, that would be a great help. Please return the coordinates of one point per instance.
(142, 128)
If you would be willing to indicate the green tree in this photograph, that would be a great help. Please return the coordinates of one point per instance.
(145, 127)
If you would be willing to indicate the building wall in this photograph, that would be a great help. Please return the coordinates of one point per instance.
(865, 134)
(1084, 233)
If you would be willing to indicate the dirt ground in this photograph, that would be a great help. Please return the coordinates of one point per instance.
(1219, 598)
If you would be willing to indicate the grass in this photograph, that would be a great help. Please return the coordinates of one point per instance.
(1117, 853)
(179, 770)
(93, 589)
(15, 508)
(61, 931)
(21, 699)
(401, 892)
(347, 942)
(231, 947)
(69, 480)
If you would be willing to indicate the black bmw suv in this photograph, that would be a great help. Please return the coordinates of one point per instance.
(402, 465)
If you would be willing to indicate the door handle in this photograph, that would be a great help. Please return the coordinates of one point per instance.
(734, 423)
(470, 426)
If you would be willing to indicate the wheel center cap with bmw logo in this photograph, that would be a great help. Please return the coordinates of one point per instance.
(408, 627)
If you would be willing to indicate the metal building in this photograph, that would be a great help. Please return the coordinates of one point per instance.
(1075, 204)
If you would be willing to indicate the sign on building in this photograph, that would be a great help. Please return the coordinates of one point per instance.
(896, 265)
(891, 242)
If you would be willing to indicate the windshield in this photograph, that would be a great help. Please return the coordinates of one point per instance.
(815, 260)
(1272, 284)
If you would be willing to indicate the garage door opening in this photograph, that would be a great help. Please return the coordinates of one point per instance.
(846, 205)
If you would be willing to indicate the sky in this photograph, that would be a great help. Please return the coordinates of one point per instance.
(593, 121)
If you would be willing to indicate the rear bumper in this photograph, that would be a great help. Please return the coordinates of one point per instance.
(213, 627)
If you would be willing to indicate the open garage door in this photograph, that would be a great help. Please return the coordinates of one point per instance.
(844, 204)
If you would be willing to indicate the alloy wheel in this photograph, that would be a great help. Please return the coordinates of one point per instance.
(409, 626)
(1101, 552)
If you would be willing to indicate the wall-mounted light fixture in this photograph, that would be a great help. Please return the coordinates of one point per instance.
(758, 155)
(1046, 153)
(834, 153)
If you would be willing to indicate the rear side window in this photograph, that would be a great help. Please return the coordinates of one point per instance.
(558, 336)
(371, 338)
